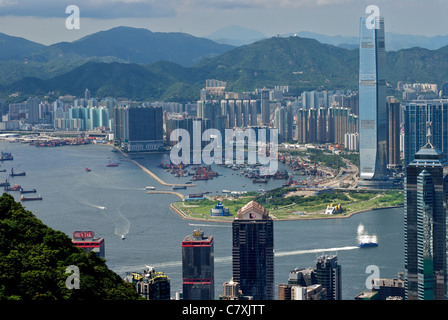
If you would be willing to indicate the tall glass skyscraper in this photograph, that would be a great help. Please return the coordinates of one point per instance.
(425, 225)
(372, 101)
(253, 251)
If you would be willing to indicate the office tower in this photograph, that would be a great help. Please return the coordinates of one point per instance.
(138, 128)
(425, 214)
(253, 251)
(265, 107)
(416, 115)
(372, 102)
(328, 274)
(198, 267)
(393, 110)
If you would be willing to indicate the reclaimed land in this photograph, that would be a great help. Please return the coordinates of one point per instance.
(283, 207)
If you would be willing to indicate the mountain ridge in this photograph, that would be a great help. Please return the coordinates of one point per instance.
(300, 63)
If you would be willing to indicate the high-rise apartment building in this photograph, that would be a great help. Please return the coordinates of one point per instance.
(425, 223)
(265, 107)
(253, 251)
(198, 281)
(372, 102)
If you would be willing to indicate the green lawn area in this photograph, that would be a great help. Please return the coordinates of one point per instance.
(296, 207)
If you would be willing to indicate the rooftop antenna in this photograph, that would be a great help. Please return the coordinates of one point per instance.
(428, 128)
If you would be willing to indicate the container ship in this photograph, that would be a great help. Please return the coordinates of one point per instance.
(27, 191)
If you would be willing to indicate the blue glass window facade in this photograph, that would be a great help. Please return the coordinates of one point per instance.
(372, 102)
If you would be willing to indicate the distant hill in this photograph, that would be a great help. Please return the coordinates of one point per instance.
(394, 41)
(16, 48)
(20, 58)
(236, 35)
(300, 63)
(138, 45)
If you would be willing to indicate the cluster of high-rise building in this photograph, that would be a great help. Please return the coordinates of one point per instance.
(425, 163)
(252, 267)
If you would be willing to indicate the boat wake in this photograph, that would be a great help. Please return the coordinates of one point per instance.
(228, 259)
(121, 223)
(224, 225)
(364, 237)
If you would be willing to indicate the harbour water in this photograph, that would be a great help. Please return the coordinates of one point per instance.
(112, 201)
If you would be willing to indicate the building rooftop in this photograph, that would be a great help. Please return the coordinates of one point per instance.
(253, 210)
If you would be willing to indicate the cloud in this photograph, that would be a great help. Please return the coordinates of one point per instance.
(108, 9)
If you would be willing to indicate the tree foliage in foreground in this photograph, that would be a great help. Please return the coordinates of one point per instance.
(34, 258)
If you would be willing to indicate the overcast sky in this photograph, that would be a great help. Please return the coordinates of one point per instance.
(44, 21)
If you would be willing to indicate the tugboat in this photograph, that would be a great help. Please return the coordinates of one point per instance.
(12, 174)
(4, 156)
(15, 188)
(112, 164)
(88, 170)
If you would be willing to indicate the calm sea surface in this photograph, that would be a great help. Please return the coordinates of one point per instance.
(112, 201)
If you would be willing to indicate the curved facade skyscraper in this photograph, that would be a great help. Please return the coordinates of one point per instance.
(372, 101)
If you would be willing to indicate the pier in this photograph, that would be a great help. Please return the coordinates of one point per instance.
(152, 174)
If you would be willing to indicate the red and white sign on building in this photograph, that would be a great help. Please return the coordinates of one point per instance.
(86, 240)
